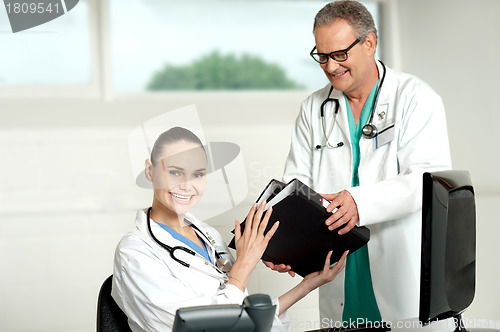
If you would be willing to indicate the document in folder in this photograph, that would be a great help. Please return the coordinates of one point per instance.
(302, 239)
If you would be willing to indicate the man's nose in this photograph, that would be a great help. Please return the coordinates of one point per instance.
(331, 66)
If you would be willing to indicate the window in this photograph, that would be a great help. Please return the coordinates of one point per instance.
(196, 35)
(54, 53)
(124, 43)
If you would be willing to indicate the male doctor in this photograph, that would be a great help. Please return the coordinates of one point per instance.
(374, 182)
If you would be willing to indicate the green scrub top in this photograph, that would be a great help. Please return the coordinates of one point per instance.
(359, 302)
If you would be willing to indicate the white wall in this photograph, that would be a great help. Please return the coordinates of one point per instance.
(455, 47)
(66, 193)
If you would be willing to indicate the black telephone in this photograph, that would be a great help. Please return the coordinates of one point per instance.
(256, 314)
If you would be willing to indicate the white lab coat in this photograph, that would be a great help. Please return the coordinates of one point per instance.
(389, 196)
(149, 286)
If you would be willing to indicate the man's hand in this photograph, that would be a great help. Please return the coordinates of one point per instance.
(346, 214)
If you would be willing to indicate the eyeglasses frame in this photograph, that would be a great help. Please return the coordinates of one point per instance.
(330, 55)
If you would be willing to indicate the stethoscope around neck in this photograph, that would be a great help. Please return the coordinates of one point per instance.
(369, 130)
(223, 265)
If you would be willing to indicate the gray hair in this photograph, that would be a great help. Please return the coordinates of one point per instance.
(353, 12)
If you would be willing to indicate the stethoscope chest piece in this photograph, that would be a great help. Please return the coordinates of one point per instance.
(369, 130)
(224, 264)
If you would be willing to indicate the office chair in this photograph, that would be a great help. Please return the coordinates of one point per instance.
(110, 318)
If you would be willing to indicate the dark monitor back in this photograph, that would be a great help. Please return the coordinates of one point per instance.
(448, 262)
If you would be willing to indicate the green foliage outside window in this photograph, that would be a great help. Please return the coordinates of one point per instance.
(222, 72)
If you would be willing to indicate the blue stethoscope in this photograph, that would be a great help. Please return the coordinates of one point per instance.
(223, 264)
(369, 130)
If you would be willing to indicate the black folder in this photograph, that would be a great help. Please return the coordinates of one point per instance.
(302, 239)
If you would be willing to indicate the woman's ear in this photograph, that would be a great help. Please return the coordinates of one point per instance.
(148, 170)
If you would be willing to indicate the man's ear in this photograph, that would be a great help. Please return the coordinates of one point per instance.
(371, 42)
(148, 170)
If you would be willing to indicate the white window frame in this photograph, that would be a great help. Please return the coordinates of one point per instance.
(101, 85)
(94, 89)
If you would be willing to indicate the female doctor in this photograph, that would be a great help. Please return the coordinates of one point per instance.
(172, 260)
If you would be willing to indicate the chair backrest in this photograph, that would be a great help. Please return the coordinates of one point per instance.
(110, 318)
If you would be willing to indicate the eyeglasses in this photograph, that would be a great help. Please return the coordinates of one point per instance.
(339, 56)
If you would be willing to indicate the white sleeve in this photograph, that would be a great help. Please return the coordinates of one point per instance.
(299, 161)
(422, 146)
(282, 322)
(149, 293)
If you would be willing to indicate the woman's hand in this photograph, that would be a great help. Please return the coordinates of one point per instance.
(319, 278)
(251, 244)
(311, 282)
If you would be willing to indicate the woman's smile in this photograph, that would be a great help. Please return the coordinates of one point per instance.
(182, 198)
